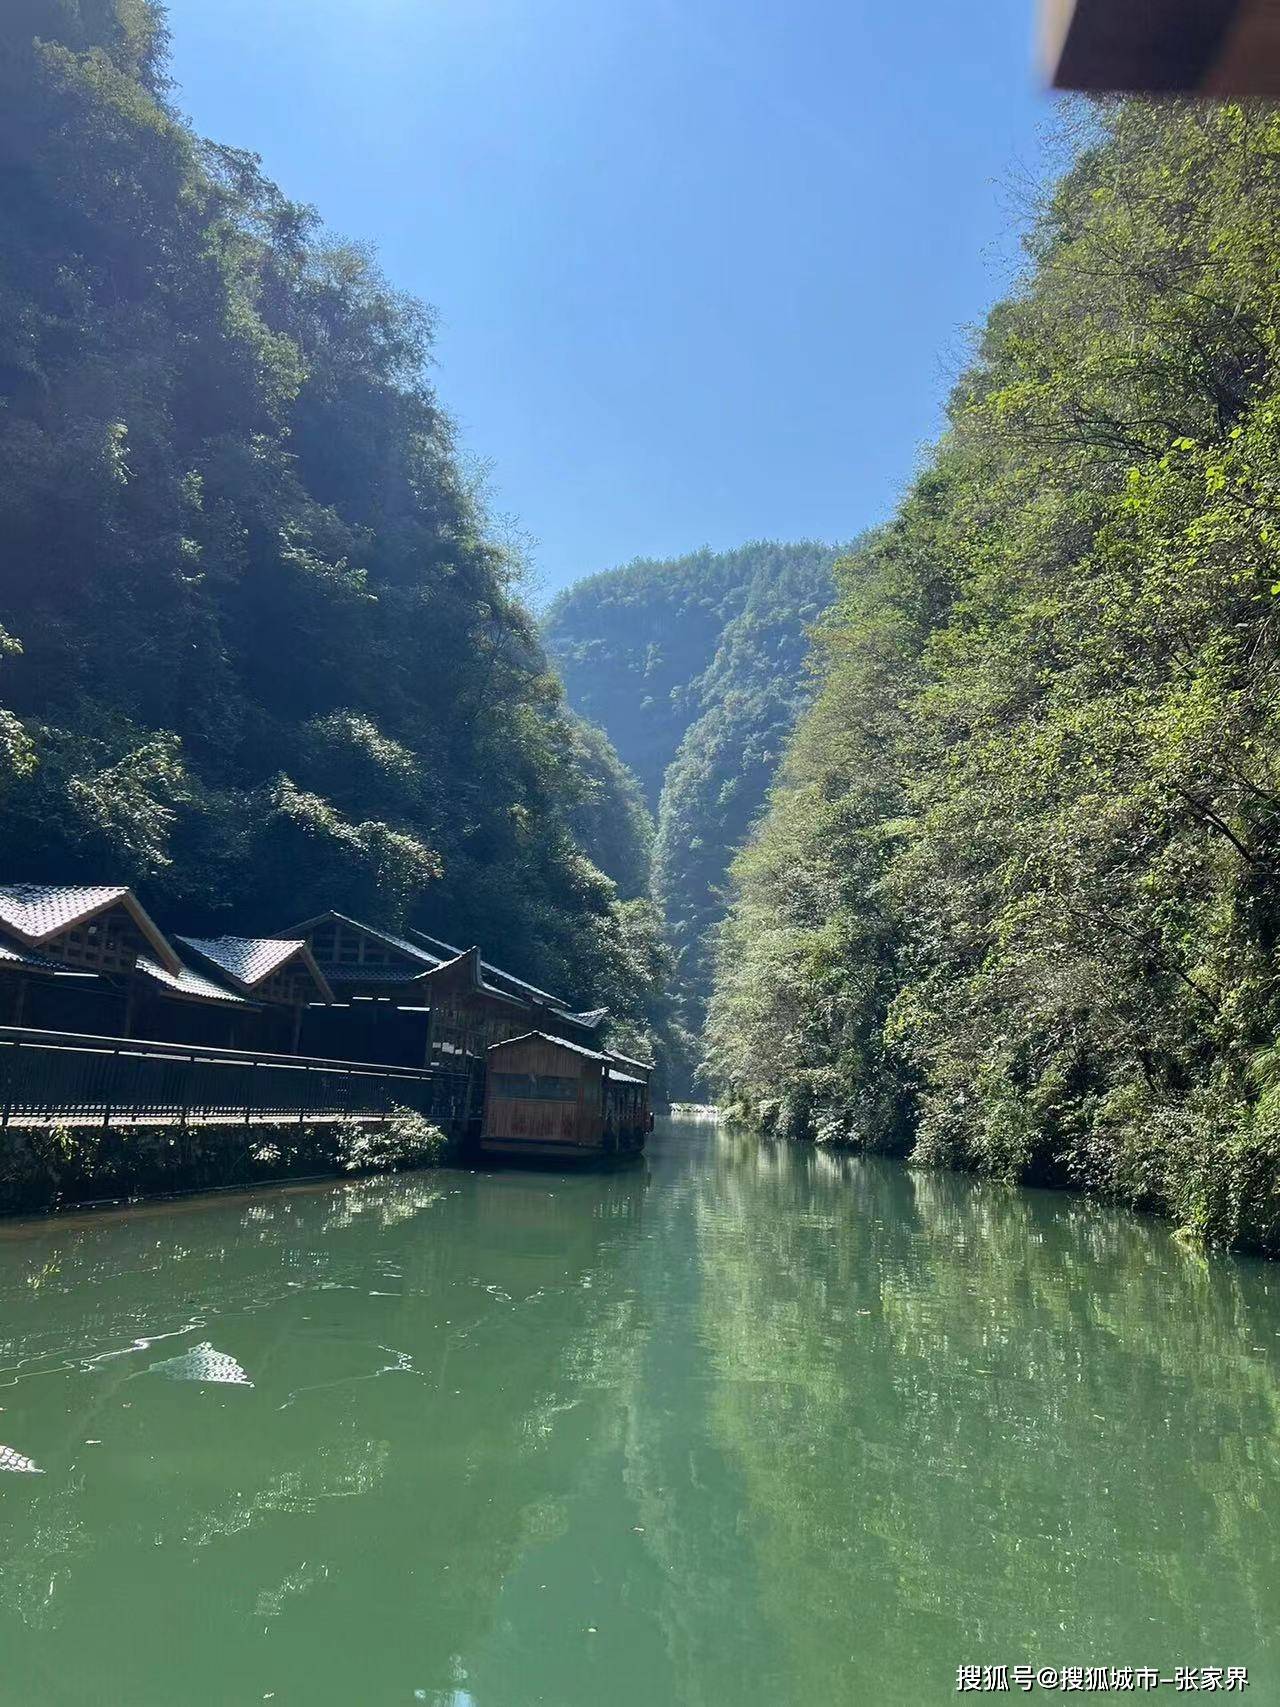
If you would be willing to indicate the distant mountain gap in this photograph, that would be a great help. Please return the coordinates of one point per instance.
(694, 668)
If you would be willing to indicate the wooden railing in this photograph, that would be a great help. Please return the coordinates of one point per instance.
(74, 1078)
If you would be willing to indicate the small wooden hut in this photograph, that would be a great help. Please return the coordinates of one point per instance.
(547, 1097)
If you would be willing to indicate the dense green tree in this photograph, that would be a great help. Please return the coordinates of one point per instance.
(751, 694)
(633, 644)
(694, 668)
(611, 817)
(1015, 905)
(267, 653)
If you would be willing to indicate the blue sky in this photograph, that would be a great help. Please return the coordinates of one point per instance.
(703, 269)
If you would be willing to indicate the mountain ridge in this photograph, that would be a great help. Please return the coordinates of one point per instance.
(694, 668)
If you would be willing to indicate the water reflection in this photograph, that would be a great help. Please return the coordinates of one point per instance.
(345, 1522)
(202, 1363)
(989, 1424)
(14, 1461)
(752, 1425)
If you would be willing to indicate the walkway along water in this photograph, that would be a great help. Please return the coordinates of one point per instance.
(742, 1425)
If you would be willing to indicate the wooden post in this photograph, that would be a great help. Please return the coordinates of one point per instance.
(106, 1101)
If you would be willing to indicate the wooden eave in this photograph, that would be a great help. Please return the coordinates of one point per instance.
(555, 1042)
(467, 966)
(301, 952)
(17, 957)
(524, 991)
(630, 1061)
(308, 960)
(398, 944)
(1216, 48)
(136, 911)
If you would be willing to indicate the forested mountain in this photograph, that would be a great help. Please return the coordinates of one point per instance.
(262, 653)
(1015, 905)
(695, 670)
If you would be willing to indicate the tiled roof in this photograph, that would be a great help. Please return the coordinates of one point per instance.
(39, 910)
(432, 952)
(617, 1078)
(247, 959)
(357, 973)
(185, 982)
(425, 960)
(630, 1061)
(12, 955)
(402, 943)
(434, 942)
(505, 995)
(589, 1020)
(546, 1037)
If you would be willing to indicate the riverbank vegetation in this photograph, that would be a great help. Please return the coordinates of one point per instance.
(263, 651)
(1014, 905)
(55, 1167)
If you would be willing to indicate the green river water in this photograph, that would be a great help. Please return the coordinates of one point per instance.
(745, 1425)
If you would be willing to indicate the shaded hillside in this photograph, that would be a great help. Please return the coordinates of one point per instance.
(694, 668)
(265, 655)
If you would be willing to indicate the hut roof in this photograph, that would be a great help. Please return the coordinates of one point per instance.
(11, 955)
(616, 1078)
(549, 1037)
(589, 1021)
(630, 1061)
(337, 973)
(38, 912)
(185, 982)
(436, 944)
(250, 960)
(424, 959)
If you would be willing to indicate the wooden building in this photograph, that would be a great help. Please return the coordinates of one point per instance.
(278, 975)
(96, 932)
(379, 1011)
(543, 1010)
(395, 995)
(417, 1000)
(469, 1014)
(547, 1097)
(90, 960)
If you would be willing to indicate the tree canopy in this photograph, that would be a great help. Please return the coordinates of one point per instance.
(1014, 905)
(694, 667)
(262, 652)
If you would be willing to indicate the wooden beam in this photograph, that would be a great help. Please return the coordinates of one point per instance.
(1210, 47)
(1248, 61)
